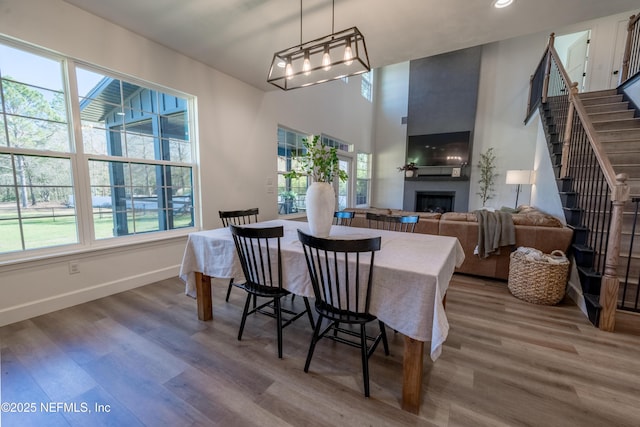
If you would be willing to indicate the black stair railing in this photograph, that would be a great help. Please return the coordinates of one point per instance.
(592, 192)
(600, 193)
(631, 280)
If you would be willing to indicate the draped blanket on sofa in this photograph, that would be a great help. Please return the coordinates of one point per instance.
(495, 229)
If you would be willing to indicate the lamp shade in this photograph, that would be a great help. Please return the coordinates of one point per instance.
(521, 176)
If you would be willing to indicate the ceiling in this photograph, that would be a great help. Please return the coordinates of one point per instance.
(239, 37)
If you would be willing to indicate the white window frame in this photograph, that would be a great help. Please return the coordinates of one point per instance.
(79, 164)
(368, 179)
(366, 86)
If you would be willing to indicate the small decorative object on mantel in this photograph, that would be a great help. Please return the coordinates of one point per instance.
(410, 170)
(320, 162)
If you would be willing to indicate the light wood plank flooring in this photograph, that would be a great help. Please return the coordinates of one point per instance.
(145, 357)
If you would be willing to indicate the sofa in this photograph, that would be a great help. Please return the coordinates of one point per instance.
(533, 228)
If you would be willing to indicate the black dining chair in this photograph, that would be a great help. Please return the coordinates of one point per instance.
(261, 260)
(240, 217)
(343, 218)
(404, 223)
(341, 275)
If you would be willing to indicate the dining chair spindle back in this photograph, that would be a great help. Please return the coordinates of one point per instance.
(343, 218)
(341, 275)
(406, 223)
(261, 259)
(240, 217)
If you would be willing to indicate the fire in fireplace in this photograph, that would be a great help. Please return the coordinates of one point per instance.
(435, 201)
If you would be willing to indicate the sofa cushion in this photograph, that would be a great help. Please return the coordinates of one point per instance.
(460, 216)
(526, 216)
(534, 229)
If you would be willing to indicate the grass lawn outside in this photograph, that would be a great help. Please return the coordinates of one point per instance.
(56, 225)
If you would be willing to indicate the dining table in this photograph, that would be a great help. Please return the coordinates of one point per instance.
(410, 280)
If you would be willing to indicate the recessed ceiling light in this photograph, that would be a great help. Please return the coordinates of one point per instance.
(499, 4)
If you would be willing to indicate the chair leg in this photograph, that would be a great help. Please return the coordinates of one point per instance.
(365, 359)
(244, 315)
(276, 303)
(314, 340)
(229, 289)
(308, 307)
(383, 332)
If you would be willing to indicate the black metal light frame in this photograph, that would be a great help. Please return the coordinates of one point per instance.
(320, 60)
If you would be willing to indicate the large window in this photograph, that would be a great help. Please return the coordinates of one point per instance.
(366, 87)
(292, 192)
(363, 179)
(128, 170)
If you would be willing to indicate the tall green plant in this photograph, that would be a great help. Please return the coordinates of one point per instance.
(318, 161)
(487, 166)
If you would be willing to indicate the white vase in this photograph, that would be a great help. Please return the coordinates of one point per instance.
(409, 173)
(320, 202)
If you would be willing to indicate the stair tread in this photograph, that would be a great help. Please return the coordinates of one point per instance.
(599, 93)
(593, 299)
(623, 120)
(581, 247)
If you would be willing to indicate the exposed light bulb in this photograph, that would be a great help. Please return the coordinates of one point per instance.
(499, 4)
(326, 59)
(348, 55)
(306, 64)
(288, 70)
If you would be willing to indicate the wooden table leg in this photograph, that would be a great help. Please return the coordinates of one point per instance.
(203, 296)
(412, 375)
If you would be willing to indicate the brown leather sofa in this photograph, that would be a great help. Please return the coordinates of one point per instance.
(533, 229)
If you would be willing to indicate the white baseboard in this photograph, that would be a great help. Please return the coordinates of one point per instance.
(58, 302)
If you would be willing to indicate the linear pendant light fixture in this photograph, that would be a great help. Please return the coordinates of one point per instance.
(339, 54)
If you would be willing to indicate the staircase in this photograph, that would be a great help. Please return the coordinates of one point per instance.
(618, 130)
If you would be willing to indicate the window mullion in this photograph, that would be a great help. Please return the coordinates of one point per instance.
(79, 161)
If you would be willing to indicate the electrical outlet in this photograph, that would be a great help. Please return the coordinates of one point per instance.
(74, 267)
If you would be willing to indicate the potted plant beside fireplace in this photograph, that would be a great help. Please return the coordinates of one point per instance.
(410, 170)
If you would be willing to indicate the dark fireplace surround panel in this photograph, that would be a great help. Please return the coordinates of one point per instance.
(443, 95)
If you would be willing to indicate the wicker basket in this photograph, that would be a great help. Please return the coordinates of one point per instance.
(538, 281)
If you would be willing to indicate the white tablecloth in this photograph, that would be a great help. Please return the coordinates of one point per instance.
(411, 274)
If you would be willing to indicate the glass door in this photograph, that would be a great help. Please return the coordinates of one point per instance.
(343, 189)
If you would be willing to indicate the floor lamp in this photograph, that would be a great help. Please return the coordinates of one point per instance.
(520, 177)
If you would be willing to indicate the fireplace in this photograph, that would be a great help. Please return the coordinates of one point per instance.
(435, 201)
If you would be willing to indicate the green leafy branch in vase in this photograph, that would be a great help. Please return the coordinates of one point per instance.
(318, 161)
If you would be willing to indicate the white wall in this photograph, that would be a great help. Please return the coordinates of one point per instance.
(544, 193)
(237, 148)
(392, 97)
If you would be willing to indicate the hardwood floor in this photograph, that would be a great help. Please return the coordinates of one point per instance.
(146, 359)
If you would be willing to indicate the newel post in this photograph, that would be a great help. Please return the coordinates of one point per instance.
(566, 142)
(610, 281)
(627, 51)
(547, 70)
